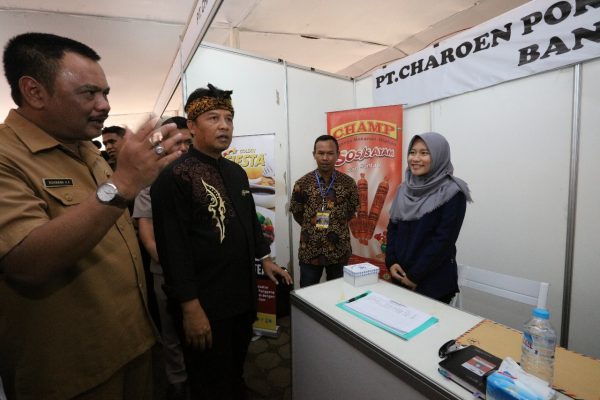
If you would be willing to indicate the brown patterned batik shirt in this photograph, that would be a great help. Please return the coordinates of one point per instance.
(330, 245)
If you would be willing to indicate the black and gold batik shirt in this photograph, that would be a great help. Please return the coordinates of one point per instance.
(207, 234)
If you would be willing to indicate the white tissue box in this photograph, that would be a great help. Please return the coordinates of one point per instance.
(510, 382)
(361, 274)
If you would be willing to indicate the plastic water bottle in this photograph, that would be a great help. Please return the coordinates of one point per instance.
(539, 345)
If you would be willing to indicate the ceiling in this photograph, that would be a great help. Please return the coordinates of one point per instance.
(138, 39)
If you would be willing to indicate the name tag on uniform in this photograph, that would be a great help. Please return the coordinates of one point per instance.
(57, 182)
(322, 221)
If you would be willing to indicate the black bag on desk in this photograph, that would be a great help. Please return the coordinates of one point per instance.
(470, 367)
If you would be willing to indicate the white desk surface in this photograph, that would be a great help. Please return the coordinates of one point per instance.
(420, 352)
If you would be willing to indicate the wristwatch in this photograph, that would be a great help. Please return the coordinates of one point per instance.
(108, 193)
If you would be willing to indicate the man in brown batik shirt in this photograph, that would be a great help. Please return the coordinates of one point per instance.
(323, 201)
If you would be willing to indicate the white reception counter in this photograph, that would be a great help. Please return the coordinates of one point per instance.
(336, 355)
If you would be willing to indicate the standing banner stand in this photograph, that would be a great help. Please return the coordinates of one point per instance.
(266, 324)
(256, 155)
(370, 141)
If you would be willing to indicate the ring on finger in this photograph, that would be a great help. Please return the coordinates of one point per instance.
(159, 150)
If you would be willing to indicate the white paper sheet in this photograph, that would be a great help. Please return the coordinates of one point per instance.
(389, 312)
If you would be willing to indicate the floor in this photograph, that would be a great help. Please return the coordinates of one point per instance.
(267, 370)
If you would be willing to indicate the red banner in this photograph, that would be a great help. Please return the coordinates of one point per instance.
(370, 142)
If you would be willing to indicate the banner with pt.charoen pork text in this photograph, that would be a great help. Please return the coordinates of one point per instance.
(370, 142)
(538, 36)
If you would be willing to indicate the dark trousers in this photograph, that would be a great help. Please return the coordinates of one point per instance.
(217, 373)
(447, 299)
(311, 274)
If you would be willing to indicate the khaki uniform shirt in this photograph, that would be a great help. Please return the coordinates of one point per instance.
(72, 333)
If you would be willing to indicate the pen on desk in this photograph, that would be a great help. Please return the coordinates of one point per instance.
(360, 296)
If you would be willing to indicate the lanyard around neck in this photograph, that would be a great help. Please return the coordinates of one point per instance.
(324, 195)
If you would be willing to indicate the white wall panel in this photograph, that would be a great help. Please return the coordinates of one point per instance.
(257, 86)
(310, 96)
(585, 306)
(511, 143)
(364, 92)
(416, 120)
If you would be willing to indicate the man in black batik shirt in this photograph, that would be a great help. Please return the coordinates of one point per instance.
(208, 236)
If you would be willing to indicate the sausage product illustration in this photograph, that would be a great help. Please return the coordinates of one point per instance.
(376, 206)
(361, 226)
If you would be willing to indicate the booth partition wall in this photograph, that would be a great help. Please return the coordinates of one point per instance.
(270, 96)
(528, 149)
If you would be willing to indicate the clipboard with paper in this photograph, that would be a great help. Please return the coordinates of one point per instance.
(388, 314)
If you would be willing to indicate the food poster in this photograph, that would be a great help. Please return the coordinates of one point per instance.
(256, 155)
(370, 141)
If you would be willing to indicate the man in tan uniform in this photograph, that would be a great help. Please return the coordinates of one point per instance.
(73, 316)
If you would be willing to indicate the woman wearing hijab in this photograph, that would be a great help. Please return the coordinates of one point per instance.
(425, 220)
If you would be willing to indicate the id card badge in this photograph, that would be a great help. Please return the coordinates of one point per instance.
(322, 221)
